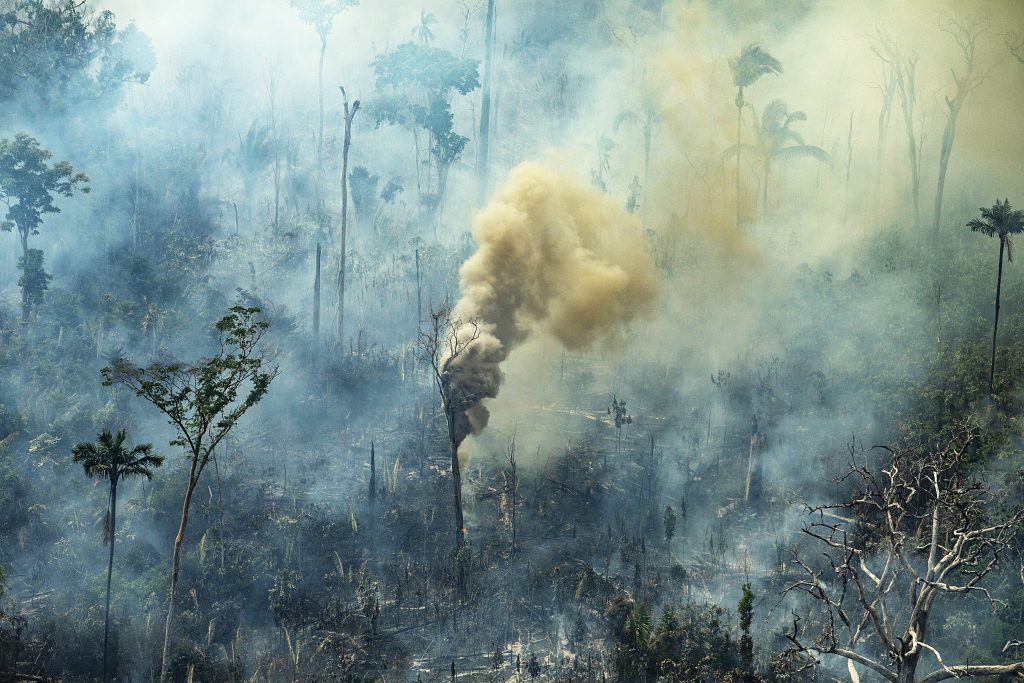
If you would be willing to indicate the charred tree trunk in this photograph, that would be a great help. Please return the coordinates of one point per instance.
(753, 487)
(316, 300)
(995, 323)
(110, 570)
(373, 476)
(350, 113)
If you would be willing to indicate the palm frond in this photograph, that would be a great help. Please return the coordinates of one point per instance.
(794, 116)
(773, 115)
(627, 118)
(747, 149)
(803, 152)
(984, 227)
(752, 63)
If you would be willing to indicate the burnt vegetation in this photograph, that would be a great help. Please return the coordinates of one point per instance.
(318, 364)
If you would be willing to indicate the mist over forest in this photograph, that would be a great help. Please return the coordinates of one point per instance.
(511, 340)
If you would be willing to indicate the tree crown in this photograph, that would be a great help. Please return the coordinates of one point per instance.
(28, 183)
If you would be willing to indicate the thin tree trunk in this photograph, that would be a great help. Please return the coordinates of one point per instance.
(350, 113)
(193, 478)
(948, 136)
(110, 571)
(739, 151)
(995, 324)
(316, 300)
(460, 524)
(24, 289)
(419, 293)
(320, 134)
(483, 156)
(648, 140)
(764, 195)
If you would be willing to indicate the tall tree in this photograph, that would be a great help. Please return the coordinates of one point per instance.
(903, 72)
(648, 119)
(415, 84)
(747, 68)
(966, 36)
(253, 155)
(777, 141)
(350, 114)
(108, 458)
(441, 345)
(203, 401)
(484, 150)
(321, 14)
(422, 31)
(999, 221)
(28, 185)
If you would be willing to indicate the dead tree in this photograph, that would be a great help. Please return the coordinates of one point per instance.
(512, 485)
(442, 345)
(903, 70)
(970, 76)
(350, 114)
(913, 532)
(888, 89)
(1015, 44)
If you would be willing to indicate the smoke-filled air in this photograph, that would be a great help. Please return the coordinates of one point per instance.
(554, 256)
(591, 341)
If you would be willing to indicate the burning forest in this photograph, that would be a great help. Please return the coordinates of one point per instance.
(635, 341)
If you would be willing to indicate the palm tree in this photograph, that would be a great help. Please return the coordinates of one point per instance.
(999, 221)
(109, 459)
(777, 141)
(752, 63)
(648, 119)
(422, 30)
(253, 156)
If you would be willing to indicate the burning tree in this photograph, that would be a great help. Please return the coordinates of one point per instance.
(447, 345)
(919, 530)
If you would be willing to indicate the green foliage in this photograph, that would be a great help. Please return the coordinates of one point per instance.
(435, 71)
(750, 65)
(204, 400)
(34, 280)
(363, 185)
(999, 221)
(321, 13)
(108, 458)
(55, 56)
(28, 183)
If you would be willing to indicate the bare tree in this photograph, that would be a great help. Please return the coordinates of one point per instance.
(888, 89)
(512, 484)
(966, 34)
(1015, 44)
(902, 70)
(350, 114)
(483, 151)
(915, 531)
(443, 344)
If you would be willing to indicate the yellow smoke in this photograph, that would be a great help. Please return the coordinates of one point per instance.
(555, 256)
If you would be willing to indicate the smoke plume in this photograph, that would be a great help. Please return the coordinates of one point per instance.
(555, 257)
